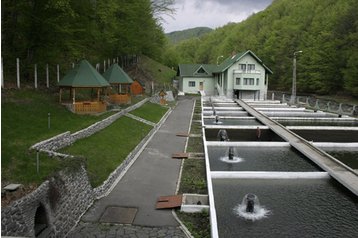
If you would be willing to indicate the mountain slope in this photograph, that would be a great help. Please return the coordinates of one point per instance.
(148, 70)
(178, 36)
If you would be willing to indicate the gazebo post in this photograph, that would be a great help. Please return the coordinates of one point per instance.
(74, 95)
(97, 94)
(60, 95)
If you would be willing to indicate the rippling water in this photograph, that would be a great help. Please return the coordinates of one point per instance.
(299, 208)
(260, 159)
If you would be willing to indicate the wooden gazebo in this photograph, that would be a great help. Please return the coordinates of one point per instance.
(121, 83)
(84, 77)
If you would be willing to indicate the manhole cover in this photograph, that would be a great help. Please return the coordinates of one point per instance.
(122, 215)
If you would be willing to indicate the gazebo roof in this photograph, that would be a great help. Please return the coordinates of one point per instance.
(116, 75)
(83, 75)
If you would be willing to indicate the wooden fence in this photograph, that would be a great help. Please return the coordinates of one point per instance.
(123, 61)
(120, 98)
(88, 107)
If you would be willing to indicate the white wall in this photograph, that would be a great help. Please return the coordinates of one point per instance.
(260, 73)
(208, 85)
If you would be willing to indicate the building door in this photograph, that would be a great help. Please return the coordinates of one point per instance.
(201, 86)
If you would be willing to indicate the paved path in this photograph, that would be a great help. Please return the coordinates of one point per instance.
(153, 174)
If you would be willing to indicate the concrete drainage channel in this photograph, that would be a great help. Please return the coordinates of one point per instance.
(194, 203)
(261, 171)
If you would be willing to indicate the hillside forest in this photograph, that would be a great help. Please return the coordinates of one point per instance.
(64, 31)
(326, 31)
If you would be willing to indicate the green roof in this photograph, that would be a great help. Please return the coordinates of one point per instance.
(228, 62)
(231, 60)
(83, 75)
(209, 69)
(116, 75)
(197, 69)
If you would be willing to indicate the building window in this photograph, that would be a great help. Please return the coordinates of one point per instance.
(191, 83)
(242, 67)
(238, 81)
(201, 71)
(249, 81)
(250, 67)
(257, 81)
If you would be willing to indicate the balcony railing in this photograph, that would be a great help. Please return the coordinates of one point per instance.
(239, 71)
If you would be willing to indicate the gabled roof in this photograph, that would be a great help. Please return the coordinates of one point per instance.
(83, 75)
(210, 69)
(116, 75)
(231, 60)
(194, 69)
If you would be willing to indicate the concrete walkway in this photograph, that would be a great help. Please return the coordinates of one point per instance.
(152, 175)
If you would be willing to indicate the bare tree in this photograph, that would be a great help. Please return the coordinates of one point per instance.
(162, 7)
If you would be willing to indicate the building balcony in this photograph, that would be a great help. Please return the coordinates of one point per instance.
(239, 71)
(247, 87)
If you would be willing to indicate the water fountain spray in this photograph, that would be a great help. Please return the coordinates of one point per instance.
(222, 135)
(231, 153)
(217, 119)
(250, 208)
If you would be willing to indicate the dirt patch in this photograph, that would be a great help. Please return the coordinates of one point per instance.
(8, 197)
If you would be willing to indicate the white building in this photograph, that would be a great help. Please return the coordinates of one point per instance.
(243, 76)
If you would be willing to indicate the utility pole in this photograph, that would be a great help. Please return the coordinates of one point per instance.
(293, 95)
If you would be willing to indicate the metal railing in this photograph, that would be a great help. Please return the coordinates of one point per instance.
(317, 104)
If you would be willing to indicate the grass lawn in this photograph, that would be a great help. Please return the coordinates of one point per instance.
(150, 112)
(24, 115)
(105, 150)
(193, 179)
(195, 145)
(24, 122)
(195, 128)
(197, 223)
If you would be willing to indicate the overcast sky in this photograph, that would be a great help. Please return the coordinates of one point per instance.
(211, 13)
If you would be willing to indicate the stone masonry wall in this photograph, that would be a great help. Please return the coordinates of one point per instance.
(64, 197)
(65, 139)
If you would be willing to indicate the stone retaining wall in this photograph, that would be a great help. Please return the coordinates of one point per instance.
(54, 143)
(65, 139)
(63, 198)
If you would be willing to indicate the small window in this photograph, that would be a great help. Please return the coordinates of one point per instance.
(238, 81)
(250, 67)
(242, 67)
(257, 81)
(201, 71)
(191, 83)
(249, 81)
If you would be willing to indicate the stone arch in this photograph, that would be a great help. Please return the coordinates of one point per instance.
(41, 224)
